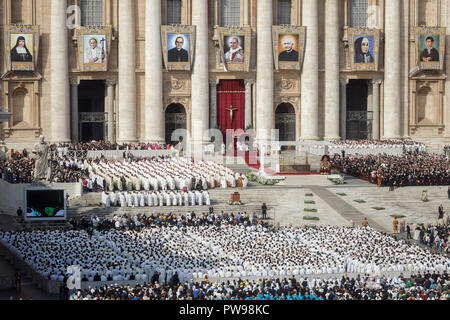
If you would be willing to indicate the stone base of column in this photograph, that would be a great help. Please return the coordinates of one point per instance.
(392, 138)
(331, 138)
(315, 138)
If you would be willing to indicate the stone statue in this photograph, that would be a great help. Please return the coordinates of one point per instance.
(41, 167)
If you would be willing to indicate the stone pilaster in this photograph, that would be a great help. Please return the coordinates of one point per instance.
(59, 69)
(74, 110)
(110, 89)
(332, 69)
(127, 75)
(153, 73)
(343, 108)
(310, 73)
(248, 103)
(264, 76)
(200, 83)
(376, 109)
(392, 71)
(213, 103)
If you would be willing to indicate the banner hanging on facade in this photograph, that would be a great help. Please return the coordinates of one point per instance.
(178, 46)
(21, 47)
(235, 47)
(94, 45)
(288, 47)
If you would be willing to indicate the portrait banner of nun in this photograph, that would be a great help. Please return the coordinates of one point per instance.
(94, 44)
(430, 48)
(364, 49)
(22, 44)
(288, 47)
(178, 43)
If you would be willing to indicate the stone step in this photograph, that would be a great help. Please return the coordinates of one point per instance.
(178, 210)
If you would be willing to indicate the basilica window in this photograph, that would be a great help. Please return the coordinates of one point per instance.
(358, 13)
(284, 12)
(91, 12)
(173, 12)
(230, 12)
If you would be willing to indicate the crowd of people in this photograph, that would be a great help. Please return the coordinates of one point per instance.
(155, 199)
(64, 170)
(406, 145)
(427, 286)
(436, 237)
(213, 246)
(105, 145)
(162, 173)
(397, 171)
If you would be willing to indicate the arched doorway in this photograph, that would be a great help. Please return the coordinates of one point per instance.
(175, 119)
(285, 121)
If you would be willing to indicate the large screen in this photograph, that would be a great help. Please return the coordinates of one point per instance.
(45, 204)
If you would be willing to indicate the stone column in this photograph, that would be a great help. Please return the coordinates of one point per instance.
(199, 79)
(59, 70)
(310, 73)
(74, 110)
(343, 109)
(153, 73)
(264, 75)
(392, 71)
(127, 75)
(110, 86)
(248, 103)
(376, 109)
(213, 103)
(332, 70)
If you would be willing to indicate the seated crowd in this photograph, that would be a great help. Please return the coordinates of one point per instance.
(215, 246)
(397, 171)
(407, 145)
(104, 145)
(65, 170)
(427, 286)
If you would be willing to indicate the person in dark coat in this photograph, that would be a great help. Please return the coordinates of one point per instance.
(178, 54)
(264, 210)
(429, 53)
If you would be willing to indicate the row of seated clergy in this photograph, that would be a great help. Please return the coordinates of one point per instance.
(154, 199)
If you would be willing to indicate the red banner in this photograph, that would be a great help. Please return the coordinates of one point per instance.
(231, 105)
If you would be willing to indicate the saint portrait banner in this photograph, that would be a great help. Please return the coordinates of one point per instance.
(235, 47)
(21, 47)
(178, 44)
(94, 45)
(288, 47)
(364, 49)
(430, 48)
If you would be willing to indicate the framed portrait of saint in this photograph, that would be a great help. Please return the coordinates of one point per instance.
(21, 47)
(94, 44)
(430, 48)
(235, 46)
(364, 49)
(288, 47)
(177, 44)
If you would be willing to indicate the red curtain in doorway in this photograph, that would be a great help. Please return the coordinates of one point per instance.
(231, 94)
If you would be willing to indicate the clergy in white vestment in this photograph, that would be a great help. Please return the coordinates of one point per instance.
(160, 199)
(223, 182)
(192, 198)
(106, 199)
(122, 200)
(179, 199)
(186, 198)
(142, 199)
(135, 199)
